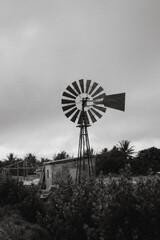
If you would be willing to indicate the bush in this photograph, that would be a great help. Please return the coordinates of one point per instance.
(11, 191)
(24, 198)
(117, 210)
(12, 226)
(30, 204)
(69, 208)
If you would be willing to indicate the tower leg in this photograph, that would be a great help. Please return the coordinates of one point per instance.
(84, 163)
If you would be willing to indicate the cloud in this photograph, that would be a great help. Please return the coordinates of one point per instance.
(45, 46)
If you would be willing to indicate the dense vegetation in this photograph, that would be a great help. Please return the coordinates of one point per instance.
(112, 208)
(112, 161)
(118, 210)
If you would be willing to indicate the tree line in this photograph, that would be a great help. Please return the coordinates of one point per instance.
(107, 161)
(114, 160)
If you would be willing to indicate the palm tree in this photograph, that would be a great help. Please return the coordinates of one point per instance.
(31, 158)
(11, 158)
(124, 146)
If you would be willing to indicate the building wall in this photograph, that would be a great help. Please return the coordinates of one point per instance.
(54, 172)
(48, 176)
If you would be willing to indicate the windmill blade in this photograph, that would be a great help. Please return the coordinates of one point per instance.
(65, 94)
(81, 82)
(93, 87)
(88, 85)
(75, 116)
(96, 112)
(100, 89)
(65, 108)
(67, 101)
(83, 117)
(68, 114)
(116, 101)
(86, 118)
(99, 108)
(72, 91)
(75, 85)
(99, 96)
(80, 120)
(92, 116)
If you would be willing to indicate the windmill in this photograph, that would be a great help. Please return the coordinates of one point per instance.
(84, 102)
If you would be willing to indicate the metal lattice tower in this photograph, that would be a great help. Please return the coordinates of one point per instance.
(84, 102)
(84, 163)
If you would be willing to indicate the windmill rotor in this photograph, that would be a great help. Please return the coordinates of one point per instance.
(87, 93)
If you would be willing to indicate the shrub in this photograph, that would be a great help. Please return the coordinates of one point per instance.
(11, 191)
(69, 208)
(25, 199)
(30, 204)
(117, 210)
(12, 226)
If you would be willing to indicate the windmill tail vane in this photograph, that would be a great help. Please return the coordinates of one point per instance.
(84, 102)
(116, 101)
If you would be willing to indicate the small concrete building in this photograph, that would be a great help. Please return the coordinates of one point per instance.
(54, 171)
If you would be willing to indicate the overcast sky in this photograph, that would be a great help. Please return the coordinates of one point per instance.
(45, 45)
